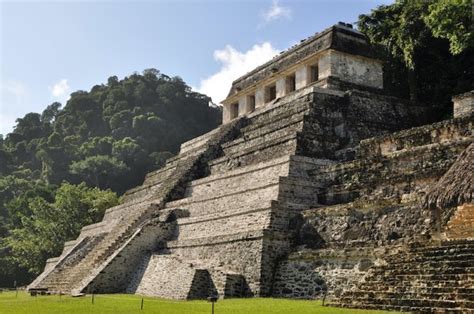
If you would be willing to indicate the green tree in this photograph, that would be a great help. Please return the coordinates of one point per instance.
(43, 233)
(452, 20)
(100, 170)
(428, 44)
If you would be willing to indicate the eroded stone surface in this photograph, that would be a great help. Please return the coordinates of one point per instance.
(316, 193)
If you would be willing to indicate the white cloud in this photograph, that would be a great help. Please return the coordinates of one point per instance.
(60, 90)
(275, 12)
(234, 65)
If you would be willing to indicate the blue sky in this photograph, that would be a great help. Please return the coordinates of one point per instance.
(50, 49)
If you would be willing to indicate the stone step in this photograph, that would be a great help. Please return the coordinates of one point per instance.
(250, 177)
(159, 176)
(421, 287)
(461, 221)
(258, 197)
(404, 295)
(461, 275)
(459, 235)
(250, 134)
(275, 114)
(242, 222)
(443, 247)
(463, 213)
(204, 241)
(400, 260)
(384, 307)
(464, 229)
(251, 144)
(418, 136)
(423, 264)
(275, 167)
(259, 153)
(198, 141)
(431, 303)
(461, 229)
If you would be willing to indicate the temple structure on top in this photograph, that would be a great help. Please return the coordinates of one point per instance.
(337, 58)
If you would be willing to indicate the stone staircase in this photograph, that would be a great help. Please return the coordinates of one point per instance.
(71, 278)
(75, 278)
(269, 135)
(461, 224)
(414, 157)
(244, 204)
(251, 158)
(434, 277)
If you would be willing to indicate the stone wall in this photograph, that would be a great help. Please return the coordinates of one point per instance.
(236, 253)
(367, 203)
(337, 123)
(463, 105)
(350, 68)
(362, 223)
(164, 276)
(310, 274)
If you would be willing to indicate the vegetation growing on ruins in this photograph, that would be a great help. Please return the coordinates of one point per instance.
(428, 47)
(117, 304)
(107, 138)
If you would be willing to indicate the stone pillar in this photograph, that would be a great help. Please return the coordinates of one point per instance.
(242, 105)
(225, 114)
(463, 105)
(260, 97)
(324, 65)
(246, 104)
(302, 76)
(281, 87)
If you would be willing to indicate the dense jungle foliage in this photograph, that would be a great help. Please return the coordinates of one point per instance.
(428, 49)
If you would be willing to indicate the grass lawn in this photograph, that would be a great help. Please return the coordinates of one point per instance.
(123, 303)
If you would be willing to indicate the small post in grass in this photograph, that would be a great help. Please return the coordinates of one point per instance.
(92, 297)
(213, 299)
(141, 307)
(324, 296)
(60, 293)
(16, 289)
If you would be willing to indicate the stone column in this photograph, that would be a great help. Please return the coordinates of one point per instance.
(246, 104)
(242, 105)
(260, 97)
(225, 114)
(302, 76)
(281, 87)
(324, 65)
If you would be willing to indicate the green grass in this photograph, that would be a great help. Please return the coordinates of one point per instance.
(122, 303)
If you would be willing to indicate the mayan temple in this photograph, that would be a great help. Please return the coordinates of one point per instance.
(317, 184)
